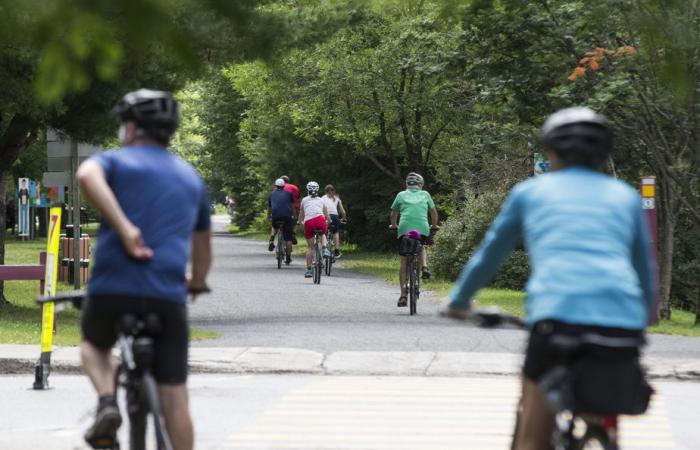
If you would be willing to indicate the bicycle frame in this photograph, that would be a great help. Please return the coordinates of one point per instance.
(134, 374)
(281, 245)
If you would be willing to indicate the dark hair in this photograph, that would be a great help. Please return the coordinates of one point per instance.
(285, 178)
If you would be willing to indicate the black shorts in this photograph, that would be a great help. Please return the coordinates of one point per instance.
(604, 380)
(335, 225)
(100, 326)
(287, 227)
(541, 355)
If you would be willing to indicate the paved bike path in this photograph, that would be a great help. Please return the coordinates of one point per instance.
(253, 304)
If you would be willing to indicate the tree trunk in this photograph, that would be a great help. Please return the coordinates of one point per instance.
(697, 307)
(16, 137)
(667, 212)
(3, 209)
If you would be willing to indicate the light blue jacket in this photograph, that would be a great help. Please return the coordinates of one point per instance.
(588, 245)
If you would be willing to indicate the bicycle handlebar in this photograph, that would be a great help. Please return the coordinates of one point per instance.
(487, 317)
(77, 297)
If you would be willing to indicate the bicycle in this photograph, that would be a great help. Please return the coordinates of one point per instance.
(573, 429)
(136, 334)
(328, 263)
(331, 248)
(317, 264)
(281, 252)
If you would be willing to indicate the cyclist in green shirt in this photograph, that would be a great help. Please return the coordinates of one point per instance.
(413, 205)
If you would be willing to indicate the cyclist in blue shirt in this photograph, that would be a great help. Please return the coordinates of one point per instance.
(280, 209)
(155, 218)
(588, 245)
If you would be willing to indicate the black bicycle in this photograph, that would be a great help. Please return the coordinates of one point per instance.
(136, 343)
(318, 260)
(411, 249)
(328, 263)
(573, 429)
(281, 253)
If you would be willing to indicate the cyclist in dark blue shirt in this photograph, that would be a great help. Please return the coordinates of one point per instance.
(280, 209)
(155, 214)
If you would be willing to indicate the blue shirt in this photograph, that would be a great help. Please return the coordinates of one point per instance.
(588, 245)
(166, 199)
(280, 203)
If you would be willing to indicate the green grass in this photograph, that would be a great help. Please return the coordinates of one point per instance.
(20, 321)
(386, 266)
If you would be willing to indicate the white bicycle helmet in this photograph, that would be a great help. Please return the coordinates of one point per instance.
(414, 179)
(312, 187)
(279, 182)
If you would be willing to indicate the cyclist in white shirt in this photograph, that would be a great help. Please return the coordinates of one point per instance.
(314, 215)
(334, 206)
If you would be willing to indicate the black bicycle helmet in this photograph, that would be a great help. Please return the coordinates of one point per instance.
(414, 179)
(156, 113)
(579, 136)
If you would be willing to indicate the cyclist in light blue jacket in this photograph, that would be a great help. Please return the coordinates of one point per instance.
(588, 246)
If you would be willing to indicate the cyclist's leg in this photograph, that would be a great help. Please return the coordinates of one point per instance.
(536, 420)
(288, 232)
(402, 274)
(174, 403)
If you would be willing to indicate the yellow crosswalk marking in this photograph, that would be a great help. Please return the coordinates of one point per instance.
(413, 413)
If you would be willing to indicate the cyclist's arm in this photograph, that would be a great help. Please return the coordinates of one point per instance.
(325, 214)
(341, 210)
(644, 265)
(93, 182)
(433, 217)
(493, 250)
(201, 258)
(393, 218)
(301, 215)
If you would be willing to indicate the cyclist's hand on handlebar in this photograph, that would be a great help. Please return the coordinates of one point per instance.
(434, 227)
(196, 289)
(453, 313)
(393, 227)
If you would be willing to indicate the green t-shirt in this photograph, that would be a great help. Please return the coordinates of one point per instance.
(413, 204)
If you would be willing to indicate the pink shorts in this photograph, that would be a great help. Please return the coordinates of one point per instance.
(317, 223)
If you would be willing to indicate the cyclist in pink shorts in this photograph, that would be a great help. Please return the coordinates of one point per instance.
(314, 215)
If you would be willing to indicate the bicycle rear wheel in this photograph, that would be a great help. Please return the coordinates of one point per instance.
(328, 263)
(162, 438)
(318, 262)
(596, 438)
(136, 407)
(413, 284)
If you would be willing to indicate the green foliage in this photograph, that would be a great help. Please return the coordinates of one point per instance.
(461, 234)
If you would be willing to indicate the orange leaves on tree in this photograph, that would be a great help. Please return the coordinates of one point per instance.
(578, 72)
(626, 50)
(593, 59)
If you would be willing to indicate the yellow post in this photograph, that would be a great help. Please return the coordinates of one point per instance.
(43, 366)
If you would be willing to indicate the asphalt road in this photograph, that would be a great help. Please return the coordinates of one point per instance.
(255, 304)
(312, 412)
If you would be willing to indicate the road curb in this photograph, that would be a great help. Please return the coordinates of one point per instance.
(265, 360)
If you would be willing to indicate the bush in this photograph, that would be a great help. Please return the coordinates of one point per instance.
(461, 234)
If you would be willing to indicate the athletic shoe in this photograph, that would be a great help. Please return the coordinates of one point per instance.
(294, 240)
(103, 433)
(426, 273)
(403, 302)
(308, 274)
(271, 247)
(336, 253)
(326, 253)
(288, 260)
